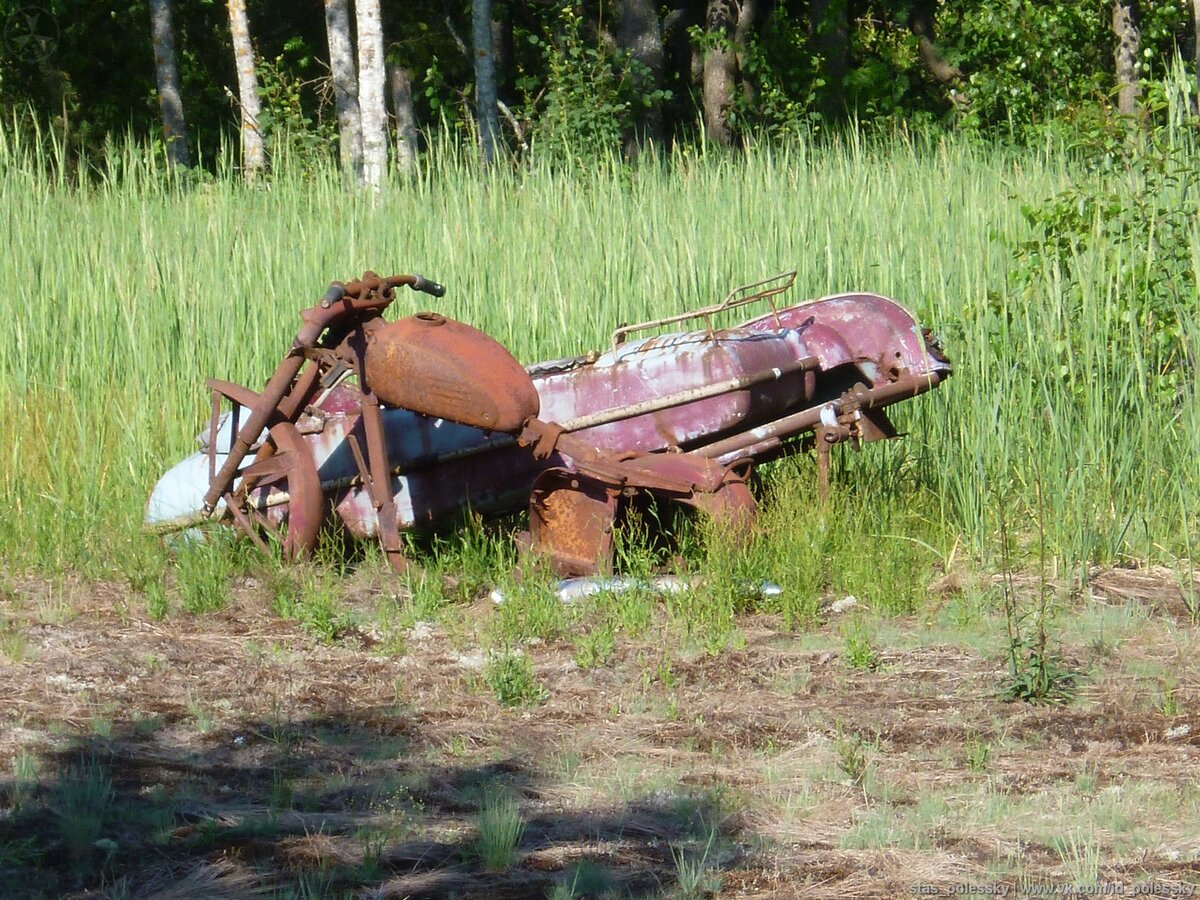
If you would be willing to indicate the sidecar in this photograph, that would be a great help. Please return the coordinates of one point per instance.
(685, 412)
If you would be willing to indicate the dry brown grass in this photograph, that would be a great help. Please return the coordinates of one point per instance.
(336, 768)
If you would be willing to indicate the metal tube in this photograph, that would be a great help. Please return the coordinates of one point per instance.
(870, 398)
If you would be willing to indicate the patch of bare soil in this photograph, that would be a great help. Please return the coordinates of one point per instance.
(231, 754)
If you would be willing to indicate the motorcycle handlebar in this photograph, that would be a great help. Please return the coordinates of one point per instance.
(338, 291)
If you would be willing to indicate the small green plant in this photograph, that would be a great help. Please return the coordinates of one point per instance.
(976, 753)
(584, 879)
(860, 653)
(511, 679)
(1168, 701)
(499, 830)
(25, 777)
(82, 801)
(1081, 855)
(202, 570)
(852, 756)
(311, 599)
(201, 715)
(13, 643)
(594, 647)
(1036, 673)
(154, 592)
(694, 877)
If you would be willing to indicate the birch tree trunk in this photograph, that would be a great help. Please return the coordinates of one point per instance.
(406, 120)
(166, 72)
(345, 88)
(720, 70)
(370, 92)
(485, 79)
(1126, 26)
(639, 33)
(254, 154)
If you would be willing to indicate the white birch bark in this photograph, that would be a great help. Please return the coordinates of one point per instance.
(166, 71)
(345, 87)
(1126, 26)
(254, 153)
(406, 119)
(370, 92)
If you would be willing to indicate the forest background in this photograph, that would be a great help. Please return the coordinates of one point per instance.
(588, 78)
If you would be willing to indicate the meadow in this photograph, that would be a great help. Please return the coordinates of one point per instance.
(1039, 516)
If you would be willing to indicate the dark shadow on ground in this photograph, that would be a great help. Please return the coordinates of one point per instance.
(331, 807)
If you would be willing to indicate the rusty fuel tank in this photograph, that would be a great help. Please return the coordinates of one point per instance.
(442, 368)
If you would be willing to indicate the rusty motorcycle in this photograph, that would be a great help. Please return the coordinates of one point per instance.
(386, 426)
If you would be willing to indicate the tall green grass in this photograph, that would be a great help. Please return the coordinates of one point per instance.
(123, 291)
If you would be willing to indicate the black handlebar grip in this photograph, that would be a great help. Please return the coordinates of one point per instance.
(423, 284)
(336, 292)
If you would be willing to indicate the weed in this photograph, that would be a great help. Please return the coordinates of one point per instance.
(1085, 780)
(511, 679)
(82, 799)
(594, 647)
(1168, 700)
(585, 879)
(13, 644)
(24, 778)
(860, 654)
(310, 598)
(202, 717)
(976, 753)
(1081, 855)
(852, 756)
(1036, 673)
(155, 595)
(282, 796)
(202, 574)
(694, 877)
(499, 830)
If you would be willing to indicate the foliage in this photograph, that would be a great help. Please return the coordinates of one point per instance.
(583, 93)
(511, 678)
(1030, 62)
(780, 65)
(1142, 222)
(860, 653)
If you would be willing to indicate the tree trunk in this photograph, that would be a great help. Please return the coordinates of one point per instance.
(170, 103)
(1196, 29)
(1126, 26)
(829, 26)
(254, 154)
(923, 24)
(485, 79)
(747, 20)
(502, 50)
(370, 92)
(639, 33)
(406, 119)
(720, 70)
(345, 88)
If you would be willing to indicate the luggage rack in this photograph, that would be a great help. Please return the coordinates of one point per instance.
(767, 289)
